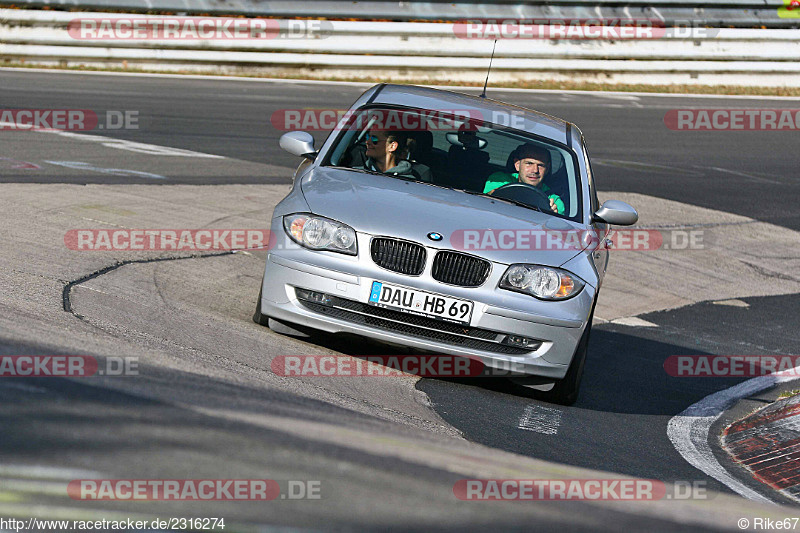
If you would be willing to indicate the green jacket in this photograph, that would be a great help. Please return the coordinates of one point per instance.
(498, 179)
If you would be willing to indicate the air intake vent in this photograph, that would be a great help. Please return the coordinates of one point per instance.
(398, 256)
(460, 269)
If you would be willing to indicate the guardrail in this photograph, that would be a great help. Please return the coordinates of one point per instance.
(431, 52)
(743, 13)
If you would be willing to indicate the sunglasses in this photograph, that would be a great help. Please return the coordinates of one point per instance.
(372, 138)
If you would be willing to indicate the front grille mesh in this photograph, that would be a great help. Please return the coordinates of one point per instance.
(460, 269)
(398, 256)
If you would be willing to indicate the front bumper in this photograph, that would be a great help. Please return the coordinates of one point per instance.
(497, 313)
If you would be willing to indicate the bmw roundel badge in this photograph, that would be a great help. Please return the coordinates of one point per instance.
(435, 236)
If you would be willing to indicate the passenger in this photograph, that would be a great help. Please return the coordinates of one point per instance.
(533, 164)
(387, 152)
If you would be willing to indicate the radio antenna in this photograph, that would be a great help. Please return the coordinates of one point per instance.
(483, 95)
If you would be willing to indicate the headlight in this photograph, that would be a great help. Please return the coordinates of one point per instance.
(319, 233)
(542, 282)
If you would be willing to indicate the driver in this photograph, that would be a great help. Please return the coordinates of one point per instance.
(532, 163)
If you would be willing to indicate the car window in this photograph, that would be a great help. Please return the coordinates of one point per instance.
(453, 151)
(590, 177)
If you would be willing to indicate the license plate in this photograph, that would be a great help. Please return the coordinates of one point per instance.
(421, 303)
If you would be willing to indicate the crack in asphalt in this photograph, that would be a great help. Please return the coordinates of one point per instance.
(66, 293)
(769, 273)
(409, 419)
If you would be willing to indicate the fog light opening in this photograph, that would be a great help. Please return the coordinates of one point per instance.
(522, 342)
(313, 296)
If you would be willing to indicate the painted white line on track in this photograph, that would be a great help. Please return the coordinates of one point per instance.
(732, 303)
(80, 165)
(689, 431)
(647, 166)
(120, 144)
(142, 148)
(633, 321)
(748, 176)
(47, 472)
(540, 419)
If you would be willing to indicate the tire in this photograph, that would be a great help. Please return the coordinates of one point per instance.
(258, 318)
(565, 391)
(284, 328)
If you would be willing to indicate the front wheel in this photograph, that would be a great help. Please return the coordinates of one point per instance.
(283, 328)
(258, 318)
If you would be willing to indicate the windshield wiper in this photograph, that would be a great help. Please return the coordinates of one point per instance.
(515, 202)
(379, 173)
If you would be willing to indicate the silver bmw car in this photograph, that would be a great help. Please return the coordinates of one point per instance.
(450, 224)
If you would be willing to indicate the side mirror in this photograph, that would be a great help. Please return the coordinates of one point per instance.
(299, 143)
(617, 213)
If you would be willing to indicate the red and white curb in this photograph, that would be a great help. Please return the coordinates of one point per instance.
(767, 443)
(689, 430)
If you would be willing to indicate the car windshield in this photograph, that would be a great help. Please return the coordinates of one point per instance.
(460, 152)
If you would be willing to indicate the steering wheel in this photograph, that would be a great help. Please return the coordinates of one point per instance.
(527, 194)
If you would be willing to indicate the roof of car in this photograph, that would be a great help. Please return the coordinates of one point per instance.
(498, 112)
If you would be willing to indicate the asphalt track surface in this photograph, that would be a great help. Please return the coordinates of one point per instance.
(618, 425)
(233, 119)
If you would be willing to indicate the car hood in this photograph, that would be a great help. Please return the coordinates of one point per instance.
(388, 206)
